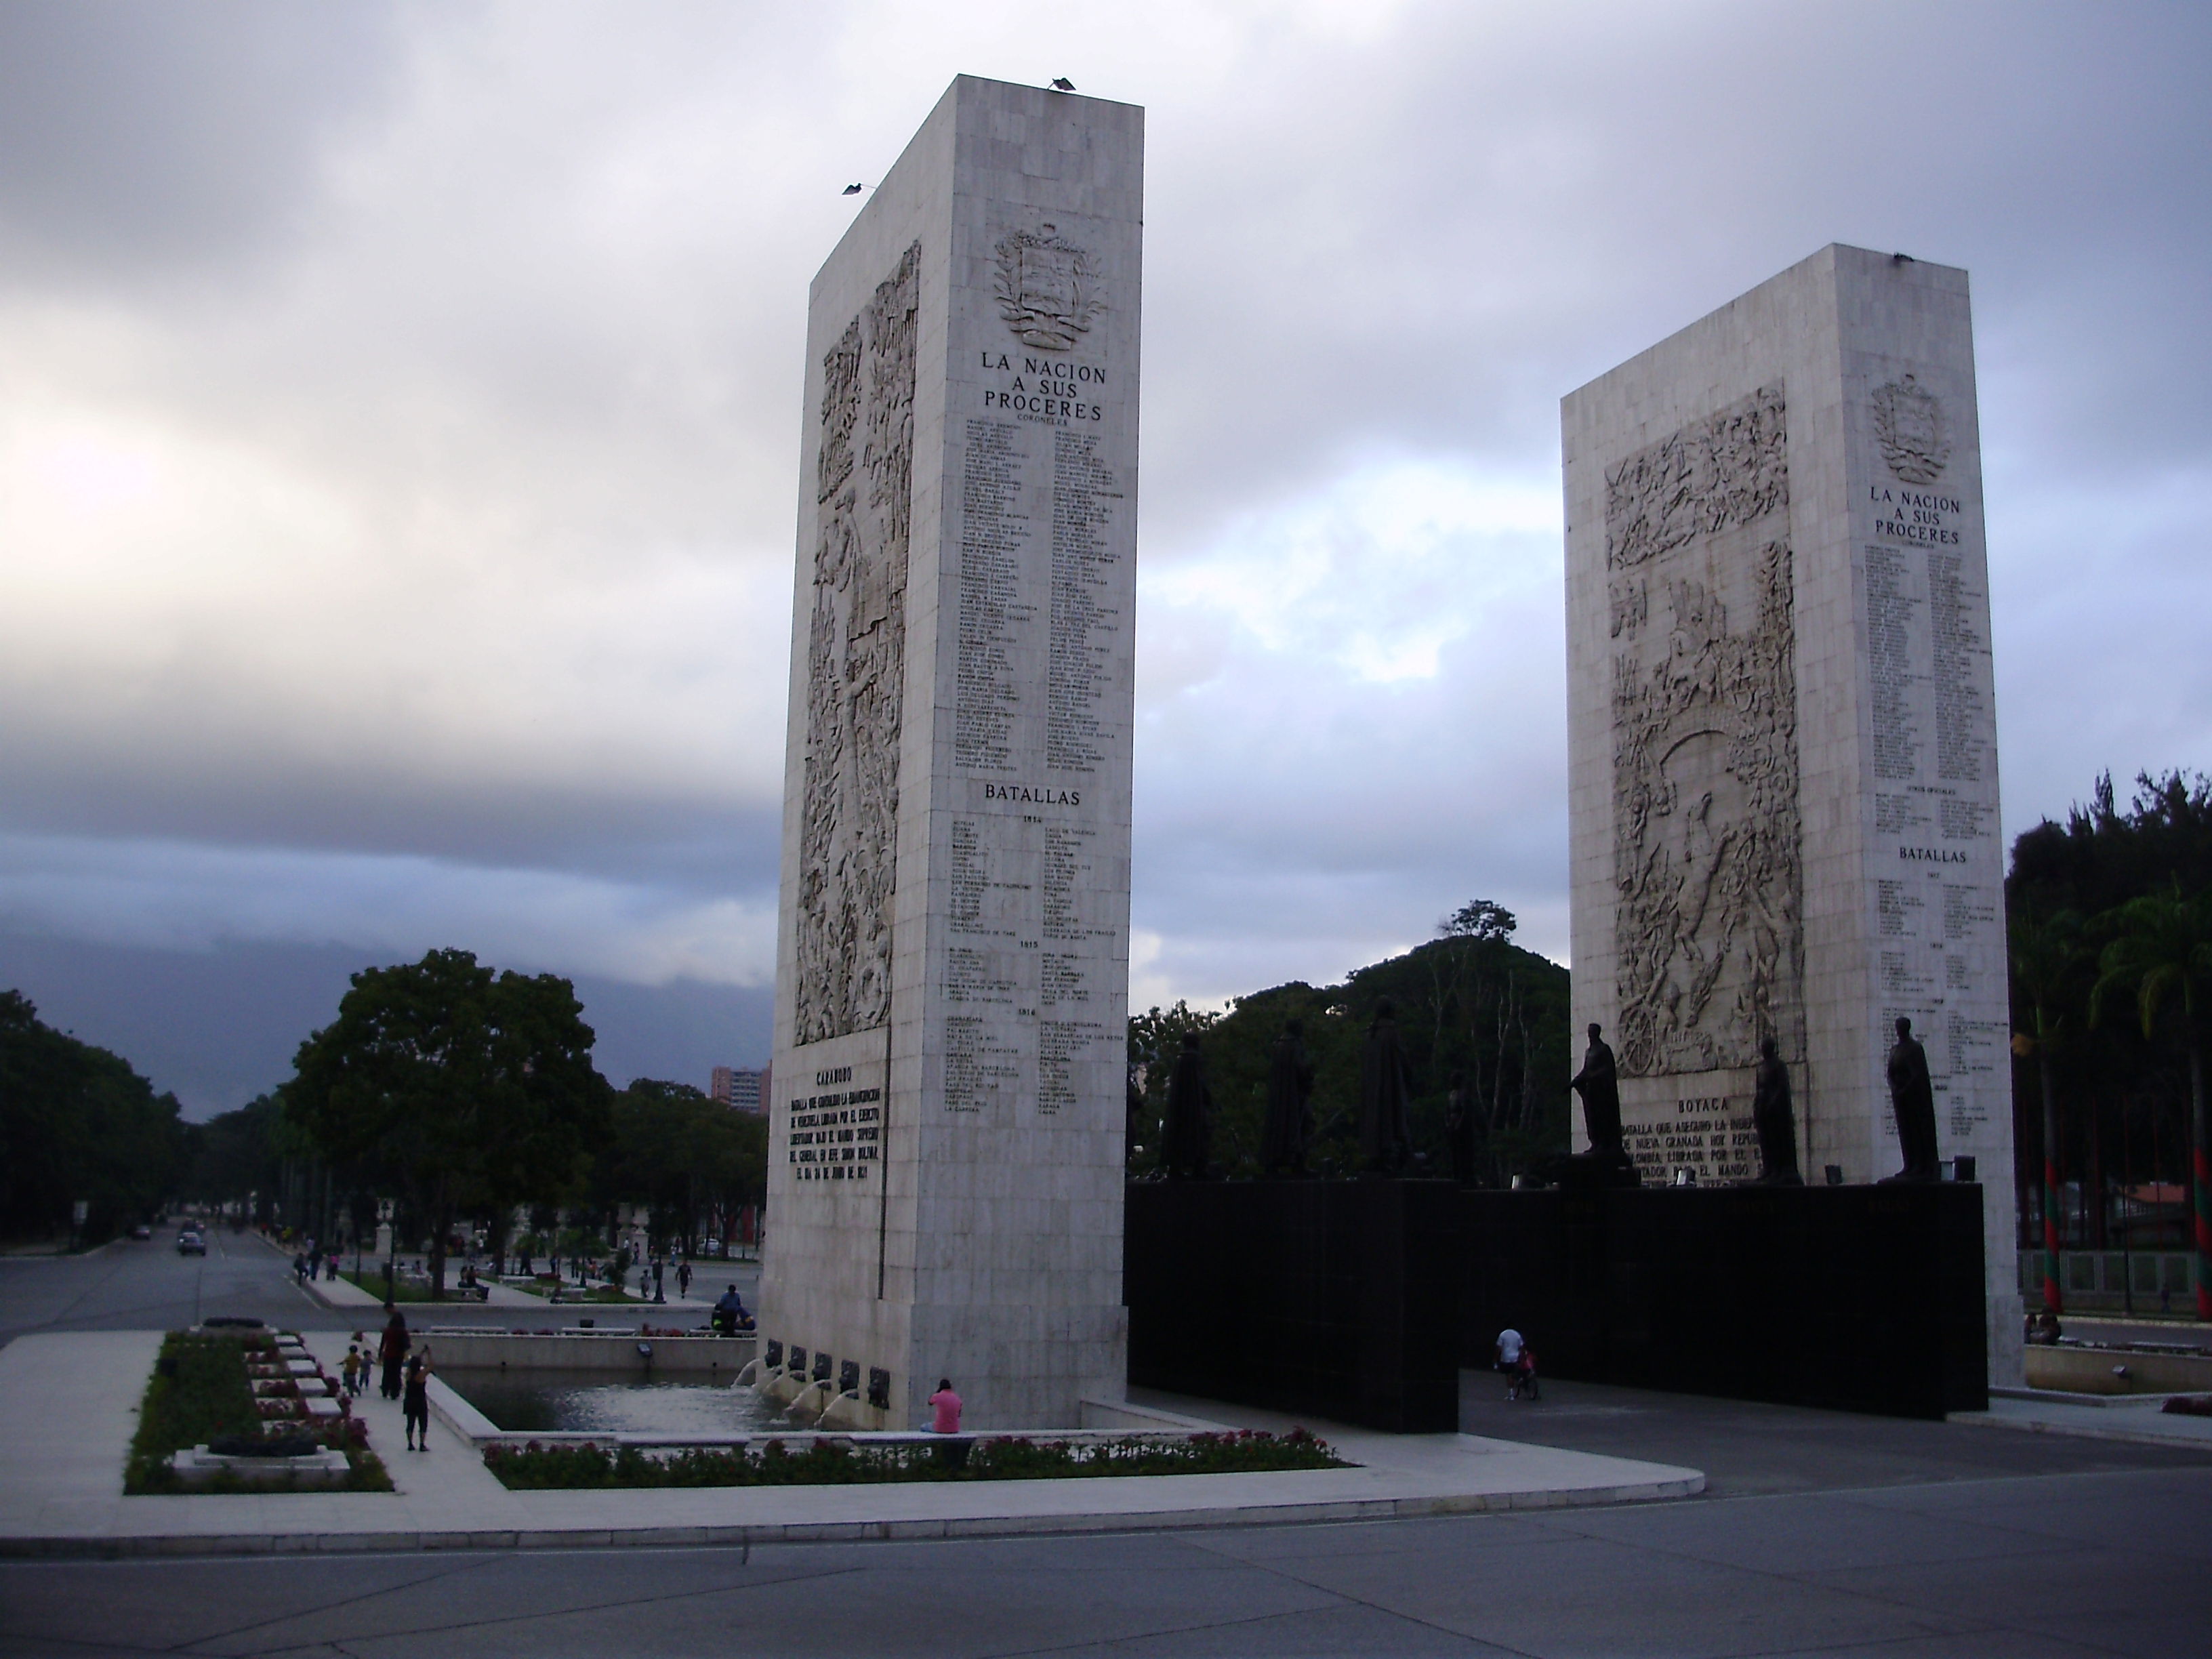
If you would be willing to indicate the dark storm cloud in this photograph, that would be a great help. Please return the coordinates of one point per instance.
(141, 136)
(398, 413)
(695, 838)
(1540, 193)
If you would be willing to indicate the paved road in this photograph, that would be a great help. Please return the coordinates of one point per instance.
(129, 1285)
(2105, 1563)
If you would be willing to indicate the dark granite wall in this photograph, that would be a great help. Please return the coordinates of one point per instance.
(1334, 1298)
(1356, 1301)
(1860, 1298)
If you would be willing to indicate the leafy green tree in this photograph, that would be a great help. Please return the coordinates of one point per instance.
(1479, 919)
(239, 1155)
(2048, 956)
(2162, 954)
(77, 1123)
(2127, 1094)
(685, 1155)
(462, 1087)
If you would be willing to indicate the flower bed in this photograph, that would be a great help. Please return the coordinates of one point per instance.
(200, 1395)
(836, 1461)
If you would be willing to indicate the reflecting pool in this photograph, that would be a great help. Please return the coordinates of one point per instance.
(611, 1402)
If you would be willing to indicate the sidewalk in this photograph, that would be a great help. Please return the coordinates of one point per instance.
(61, 1491)
(2134, 1417)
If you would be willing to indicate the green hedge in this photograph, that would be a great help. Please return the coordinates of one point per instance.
(831, 1462)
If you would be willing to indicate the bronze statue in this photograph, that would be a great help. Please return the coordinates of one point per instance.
(1385, 1142)
(1912, 1098)
(1186, 1140)
(1289, 1088)
(1599, 1085)
(1460, 1125)
(1775, 1121)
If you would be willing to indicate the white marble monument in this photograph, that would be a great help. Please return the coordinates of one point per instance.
(1783, 739)
(945, 1138)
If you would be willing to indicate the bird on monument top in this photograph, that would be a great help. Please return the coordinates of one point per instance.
(852, 190)
(1061, 84)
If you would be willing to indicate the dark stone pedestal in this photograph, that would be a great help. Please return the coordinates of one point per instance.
(1589, 1172)
(1857, 1298)
(1333, 1299)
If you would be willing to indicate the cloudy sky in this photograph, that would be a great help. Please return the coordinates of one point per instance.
(399, 414)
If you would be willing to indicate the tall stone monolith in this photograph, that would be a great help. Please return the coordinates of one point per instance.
(946, 1130)
(1783, 736)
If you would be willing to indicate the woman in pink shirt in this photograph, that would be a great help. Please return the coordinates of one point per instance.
(946, 1406)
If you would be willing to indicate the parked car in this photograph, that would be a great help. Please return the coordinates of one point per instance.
(190, 1243)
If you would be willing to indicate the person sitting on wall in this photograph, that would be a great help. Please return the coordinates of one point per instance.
(945, 1418)
(730, 1314)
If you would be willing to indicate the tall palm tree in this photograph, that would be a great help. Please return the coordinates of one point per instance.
(2163, 950)
(2047, 960)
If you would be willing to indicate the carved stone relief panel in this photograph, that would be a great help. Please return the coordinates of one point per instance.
(1706, 823)
(856, 665)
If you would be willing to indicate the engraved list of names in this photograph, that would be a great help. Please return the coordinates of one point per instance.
(1031, 976)
(1937, 866)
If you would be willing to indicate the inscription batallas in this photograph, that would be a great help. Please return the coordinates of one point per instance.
(1032, 795)
(1050, 387)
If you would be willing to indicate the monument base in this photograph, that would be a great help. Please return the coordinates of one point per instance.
(1853, 1298)
(1336, 1298)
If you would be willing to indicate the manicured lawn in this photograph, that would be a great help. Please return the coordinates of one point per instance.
(830, 1462)
(597, 1293)
(371, 1280)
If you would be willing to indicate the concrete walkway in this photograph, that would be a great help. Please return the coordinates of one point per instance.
(2135, 1418)
(61, 1490)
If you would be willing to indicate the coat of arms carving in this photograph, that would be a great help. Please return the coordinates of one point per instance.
(1047, 291)
(1909, 425)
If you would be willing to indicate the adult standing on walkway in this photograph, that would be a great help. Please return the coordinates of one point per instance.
(392, 1349)
(415, 1407)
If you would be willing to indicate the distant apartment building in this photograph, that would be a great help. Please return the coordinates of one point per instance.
(737, 1089)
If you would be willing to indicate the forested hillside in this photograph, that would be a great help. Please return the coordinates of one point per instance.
(1471, 1003)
